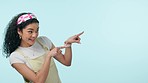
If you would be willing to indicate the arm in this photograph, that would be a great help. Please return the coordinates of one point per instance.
(66, 58)
(41, 75)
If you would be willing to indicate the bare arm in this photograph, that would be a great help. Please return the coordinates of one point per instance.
(66, 58)
(41, 75)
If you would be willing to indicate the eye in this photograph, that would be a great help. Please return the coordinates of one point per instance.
(30, 32)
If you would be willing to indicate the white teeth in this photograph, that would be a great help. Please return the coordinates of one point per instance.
(29, 40)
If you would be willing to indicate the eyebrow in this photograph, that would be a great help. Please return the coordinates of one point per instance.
(32, 29)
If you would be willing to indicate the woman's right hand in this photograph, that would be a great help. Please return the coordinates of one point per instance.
(54, 52)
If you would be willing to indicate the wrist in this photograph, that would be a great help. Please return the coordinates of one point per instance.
(67, 42)
(68, 45)
(49, 55)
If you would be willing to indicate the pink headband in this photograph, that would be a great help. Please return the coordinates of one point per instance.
(25, 17)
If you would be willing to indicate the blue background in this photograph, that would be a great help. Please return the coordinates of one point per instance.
(114, 46)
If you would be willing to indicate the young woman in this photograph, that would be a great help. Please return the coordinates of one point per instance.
(33, 56)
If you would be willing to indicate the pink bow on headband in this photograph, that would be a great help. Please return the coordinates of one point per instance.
(25, 17)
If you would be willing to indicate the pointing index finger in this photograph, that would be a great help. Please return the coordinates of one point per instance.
(80, 33)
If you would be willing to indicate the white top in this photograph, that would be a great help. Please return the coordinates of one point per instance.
(32, 52)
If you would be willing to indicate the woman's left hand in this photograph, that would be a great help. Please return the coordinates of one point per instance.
(73, 39)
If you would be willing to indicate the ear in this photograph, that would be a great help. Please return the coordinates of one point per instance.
(19, 31)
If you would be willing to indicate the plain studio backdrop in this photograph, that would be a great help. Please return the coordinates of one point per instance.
(113, 49)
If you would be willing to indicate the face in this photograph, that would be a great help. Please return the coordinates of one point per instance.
(29, 34)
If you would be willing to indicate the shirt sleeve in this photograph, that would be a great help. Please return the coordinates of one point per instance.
(15, 57)
(46, 41)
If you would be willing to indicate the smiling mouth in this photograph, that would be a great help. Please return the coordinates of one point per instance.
(31, 40)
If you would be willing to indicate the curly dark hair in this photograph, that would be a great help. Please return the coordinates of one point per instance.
(11, 38)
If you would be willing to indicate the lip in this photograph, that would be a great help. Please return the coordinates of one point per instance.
(32, 40)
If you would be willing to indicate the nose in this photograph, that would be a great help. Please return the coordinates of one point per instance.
(34, 35)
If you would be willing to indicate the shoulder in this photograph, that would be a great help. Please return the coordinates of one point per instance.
(42, 37)
(15, 54)
(45, 41)
(16, 57)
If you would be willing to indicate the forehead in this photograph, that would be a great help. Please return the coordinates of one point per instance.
(32, 26)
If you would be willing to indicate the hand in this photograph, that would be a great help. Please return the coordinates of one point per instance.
(54, 52)
(73, 39)
(69, 41)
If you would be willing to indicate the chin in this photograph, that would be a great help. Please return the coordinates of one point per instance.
(31, 43)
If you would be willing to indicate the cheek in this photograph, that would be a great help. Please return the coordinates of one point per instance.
(25, 36)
